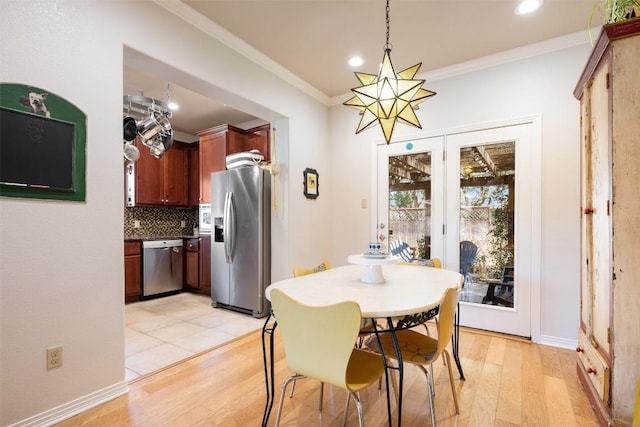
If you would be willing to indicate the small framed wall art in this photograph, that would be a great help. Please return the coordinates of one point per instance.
(311, 183)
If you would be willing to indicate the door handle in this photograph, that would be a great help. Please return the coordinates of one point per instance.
(226, 231)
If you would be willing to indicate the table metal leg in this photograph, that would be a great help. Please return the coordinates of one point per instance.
(386, 370)
(269, 371)
(455, 342)
(400, 368)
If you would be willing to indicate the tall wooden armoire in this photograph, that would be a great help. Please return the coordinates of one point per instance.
(609, 336)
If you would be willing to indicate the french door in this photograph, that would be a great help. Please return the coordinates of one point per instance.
(470, 199)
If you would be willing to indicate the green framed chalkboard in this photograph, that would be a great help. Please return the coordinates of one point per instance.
(42, 145)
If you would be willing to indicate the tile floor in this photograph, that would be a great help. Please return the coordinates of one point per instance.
(163, 331)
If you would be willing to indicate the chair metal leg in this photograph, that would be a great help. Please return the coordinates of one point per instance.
(282, 393)
(356, 398)
(433, 389)
(321, 396)
(431, 393)
(293, 387)
(269, 370)
(455, 342)
(453, 387)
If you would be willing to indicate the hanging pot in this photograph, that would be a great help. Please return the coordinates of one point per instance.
(131, 152)
(161, 145)
(156, 123)
(130, 128)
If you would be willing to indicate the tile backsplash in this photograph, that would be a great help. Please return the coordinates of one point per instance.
(159, 221)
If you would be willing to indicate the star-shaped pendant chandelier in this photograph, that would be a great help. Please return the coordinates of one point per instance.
(388, 97)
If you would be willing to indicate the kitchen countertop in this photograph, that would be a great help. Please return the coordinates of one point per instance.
(135, 237)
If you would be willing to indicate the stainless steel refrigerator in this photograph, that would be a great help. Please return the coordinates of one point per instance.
(241, 239)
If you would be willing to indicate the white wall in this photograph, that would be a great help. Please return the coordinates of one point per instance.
(538, 85)
(61, 268)
(61, 262)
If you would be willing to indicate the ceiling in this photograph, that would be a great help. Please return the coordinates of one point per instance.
(313, 39)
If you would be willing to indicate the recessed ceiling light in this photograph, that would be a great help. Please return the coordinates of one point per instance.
(173, 106)
(528, 6)
(356, 61)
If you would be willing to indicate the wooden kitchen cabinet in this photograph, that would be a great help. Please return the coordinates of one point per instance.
(132, 270)
(215, 144)
(197, 265)
(609, 336)
(192, 263)
(162, 181)
(259, 138)
(218, 142)
(205, 265)
(193, 153)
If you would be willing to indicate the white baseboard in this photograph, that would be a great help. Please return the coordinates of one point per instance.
(74, 407)
(569, 344)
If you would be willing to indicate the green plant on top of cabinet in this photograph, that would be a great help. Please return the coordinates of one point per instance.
(162, 181)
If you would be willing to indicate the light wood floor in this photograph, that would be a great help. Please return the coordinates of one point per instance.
(509, 382)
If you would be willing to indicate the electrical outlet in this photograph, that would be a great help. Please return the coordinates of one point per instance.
(136, 223)
(183, 224)
(54, 357)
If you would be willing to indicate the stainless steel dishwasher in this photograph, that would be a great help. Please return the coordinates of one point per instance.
(162, 267)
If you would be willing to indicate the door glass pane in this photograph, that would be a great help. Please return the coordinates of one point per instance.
(410, 202)
(487, 195)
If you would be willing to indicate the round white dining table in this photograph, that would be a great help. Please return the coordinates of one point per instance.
(407, 293)
(407, 289)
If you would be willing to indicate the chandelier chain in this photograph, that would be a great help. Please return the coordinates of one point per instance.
(387, 46)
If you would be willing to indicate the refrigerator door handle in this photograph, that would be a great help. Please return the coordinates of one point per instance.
(229, 227)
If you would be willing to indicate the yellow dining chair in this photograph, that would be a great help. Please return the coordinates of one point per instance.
(299, 271)
(330, 356)
(421, 350)
(366, 326)
(432, 262)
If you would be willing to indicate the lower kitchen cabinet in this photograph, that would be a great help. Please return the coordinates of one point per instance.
(192, 263)
(205, 265)
(197, 271)
(132, 270)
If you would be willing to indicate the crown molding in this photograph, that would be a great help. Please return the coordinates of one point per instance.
(225, 37)
(199, 21)
(501, 58)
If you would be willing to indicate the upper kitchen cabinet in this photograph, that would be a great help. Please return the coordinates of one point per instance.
(162, 181)
(218, 142)
(193, 152)
(258, 139)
